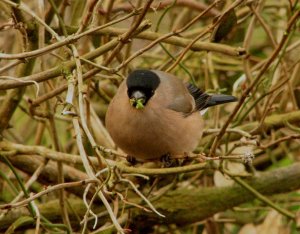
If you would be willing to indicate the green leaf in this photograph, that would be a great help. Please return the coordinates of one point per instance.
(22, 221)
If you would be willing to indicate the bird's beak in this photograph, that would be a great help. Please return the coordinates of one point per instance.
(137, 99)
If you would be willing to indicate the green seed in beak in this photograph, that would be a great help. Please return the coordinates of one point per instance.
(137, 103)
(138, 99)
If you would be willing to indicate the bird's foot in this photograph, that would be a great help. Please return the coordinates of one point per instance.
(131, 159)
(186, 159)
(168, 161)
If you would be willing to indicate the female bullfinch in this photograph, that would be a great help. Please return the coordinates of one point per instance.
(154, 114)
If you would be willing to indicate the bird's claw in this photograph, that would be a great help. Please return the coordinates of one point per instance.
(168, 161)
(131, 159)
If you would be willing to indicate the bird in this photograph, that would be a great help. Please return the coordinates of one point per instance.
(154, 114)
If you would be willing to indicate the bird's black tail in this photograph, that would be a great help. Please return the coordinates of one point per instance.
(217, 99)
(204, 100)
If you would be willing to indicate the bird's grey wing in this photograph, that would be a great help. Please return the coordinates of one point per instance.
(175, 94)
(182, 101)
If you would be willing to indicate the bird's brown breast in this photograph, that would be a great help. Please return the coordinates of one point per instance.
(153, 131)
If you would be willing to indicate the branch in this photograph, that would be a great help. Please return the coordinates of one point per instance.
(178, 204)
(205, 202)
(194, 5)
(51, 211)
(275, 121)
(59, 70)
(29, 164)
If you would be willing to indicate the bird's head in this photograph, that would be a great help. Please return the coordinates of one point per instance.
(141, 86)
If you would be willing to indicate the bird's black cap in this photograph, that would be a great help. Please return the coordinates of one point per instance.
(143, 79)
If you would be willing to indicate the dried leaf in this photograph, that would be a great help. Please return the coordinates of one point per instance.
(227, 23)
(220, 180)
(248, 229)
(272, 223)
